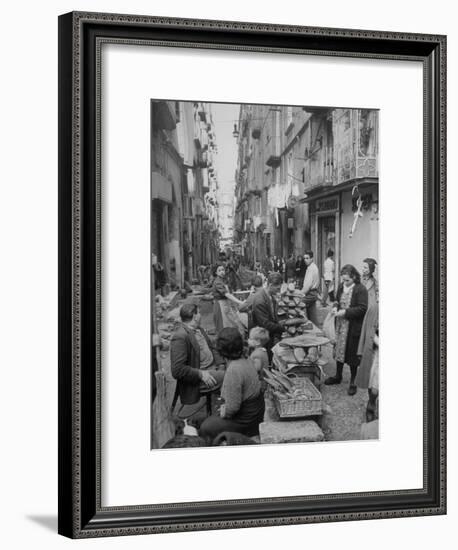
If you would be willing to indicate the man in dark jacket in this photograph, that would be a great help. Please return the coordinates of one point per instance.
(195, 363)
(264, 310)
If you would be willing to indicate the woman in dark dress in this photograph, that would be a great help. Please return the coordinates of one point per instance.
(350, 308)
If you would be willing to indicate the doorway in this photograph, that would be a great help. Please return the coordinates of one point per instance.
(326, 239)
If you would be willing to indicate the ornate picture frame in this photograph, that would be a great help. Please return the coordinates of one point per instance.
(81, 36)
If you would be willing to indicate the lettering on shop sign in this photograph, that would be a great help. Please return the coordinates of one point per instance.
(326, 205)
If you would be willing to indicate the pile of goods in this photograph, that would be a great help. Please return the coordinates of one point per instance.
(301, 355)
(291, 306)
(293, 397)
(305, 357)
(282, 386)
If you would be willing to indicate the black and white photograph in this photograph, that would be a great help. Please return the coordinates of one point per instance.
(265, 273)
(202, 275)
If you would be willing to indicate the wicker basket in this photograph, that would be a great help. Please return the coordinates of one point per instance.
(295, 408)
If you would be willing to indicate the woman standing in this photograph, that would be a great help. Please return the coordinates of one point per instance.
(349, 309)
(225, 313)
(368, 351)
(369, 281)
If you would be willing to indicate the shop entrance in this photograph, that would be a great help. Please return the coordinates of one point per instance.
(326, 239)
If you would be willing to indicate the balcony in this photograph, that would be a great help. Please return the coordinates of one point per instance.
(319, 168)
(356, 144)
(164, 116)
(272, 146)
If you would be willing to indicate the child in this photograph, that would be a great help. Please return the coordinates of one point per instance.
(257, 339)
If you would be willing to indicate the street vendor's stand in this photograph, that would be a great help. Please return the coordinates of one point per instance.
(301, 356)
(294, 402)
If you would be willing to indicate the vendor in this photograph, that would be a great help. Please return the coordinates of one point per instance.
(310, 286)
(264, 310)
(225, 312)
(243, 408)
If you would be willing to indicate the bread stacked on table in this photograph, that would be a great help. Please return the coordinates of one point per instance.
(291, 306)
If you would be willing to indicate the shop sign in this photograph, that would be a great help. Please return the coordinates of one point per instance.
(327, 205)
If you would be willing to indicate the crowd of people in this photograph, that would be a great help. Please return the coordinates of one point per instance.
(233, 364)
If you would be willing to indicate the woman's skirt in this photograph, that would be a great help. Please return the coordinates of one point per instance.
(340, 349)
(225, 314)
(373, 378)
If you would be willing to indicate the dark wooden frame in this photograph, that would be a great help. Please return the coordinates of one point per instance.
(80, 511)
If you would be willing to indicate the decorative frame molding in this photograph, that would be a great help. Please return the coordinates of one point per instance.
(81, 36)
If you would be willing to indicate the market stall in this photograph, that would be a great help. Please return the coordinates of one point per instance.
(293, 398)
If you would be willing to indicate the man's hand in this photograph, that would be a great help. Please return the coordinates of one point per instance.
(207, 379)
(340, 313)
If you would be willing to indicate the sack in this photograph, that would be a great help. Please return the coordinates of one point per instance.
(329, 328)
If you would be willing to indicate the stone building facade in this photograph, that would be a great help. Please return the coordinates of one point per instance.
(184, 183)
(304, 175)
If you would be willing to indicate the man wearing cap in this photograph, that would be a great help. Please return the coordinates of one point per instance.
(196, 364)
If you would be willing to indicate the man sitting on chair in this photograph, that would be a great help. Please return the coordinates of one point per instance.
(196, 365)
